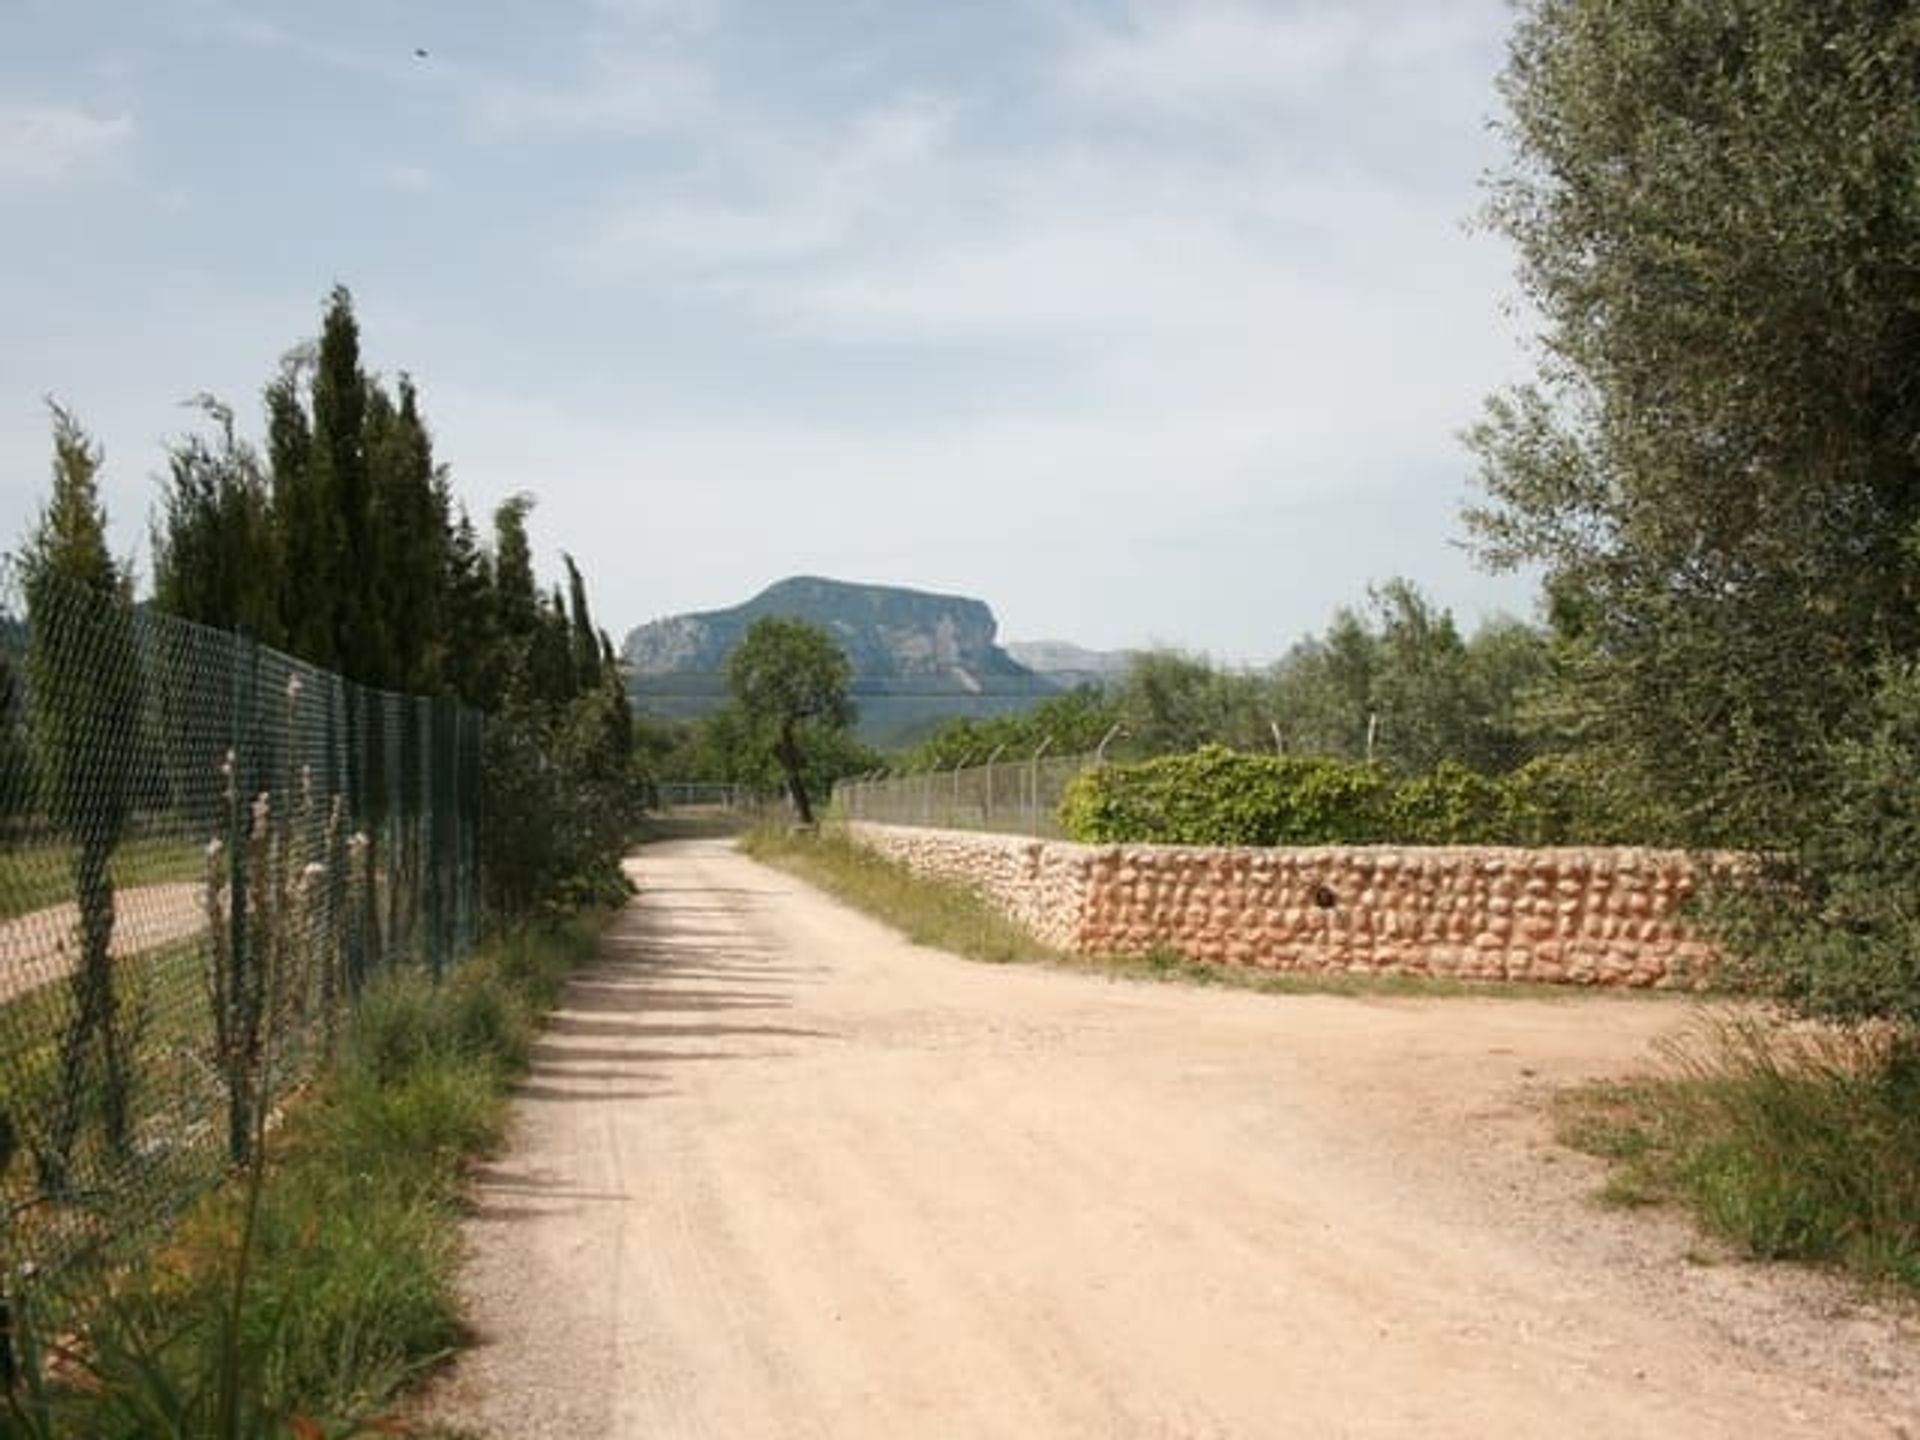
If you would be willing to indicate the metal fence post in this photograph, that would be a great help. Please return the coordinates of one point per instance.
(239, 1019)
(1033, 786)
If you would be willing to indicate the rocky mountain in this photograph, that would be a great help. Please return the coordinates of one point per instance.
(917, 657)
(1067, 664)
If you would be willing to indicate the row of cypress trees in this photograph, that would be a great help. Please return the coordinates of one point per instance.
(344, 544)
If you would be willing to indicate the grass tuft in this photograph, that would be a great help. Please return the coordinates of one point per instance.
(1797, 1143)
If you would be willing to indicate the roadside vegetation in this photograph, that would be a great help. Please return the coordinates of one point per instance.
(1788, 1143)
(928, 912)
(300, 1298)
(311, 1275)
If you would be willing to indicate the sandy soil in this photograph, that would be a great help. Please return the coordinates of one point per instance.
(779, 1173)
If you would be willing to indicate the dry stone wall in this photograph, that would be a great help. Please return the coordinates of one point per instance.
(1575, 916)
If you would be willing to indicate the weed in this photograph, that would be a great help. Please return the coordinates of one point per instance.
(1790, 1142)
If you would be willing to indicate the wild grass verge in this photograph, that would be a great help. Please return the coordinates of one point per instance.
(952, 917)
(1788, 1142)
(928, 912)
(297, 1299)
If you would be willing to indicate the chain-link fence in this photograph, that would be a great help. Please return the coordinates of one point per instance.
(209, 848)
(1017, 797)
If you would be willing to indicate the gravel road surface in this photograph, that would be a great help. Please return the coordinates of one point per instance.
(779, 1173)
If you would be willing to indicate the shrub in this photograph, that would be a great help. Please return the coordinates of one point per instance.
(1216, 796)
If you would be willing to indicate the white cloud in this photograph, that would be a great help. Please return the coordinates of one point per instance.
(395, 63)
(48, 144)
(618, 94)
(403, 178)
(683, 16)
(779, 199)
(1191, 57)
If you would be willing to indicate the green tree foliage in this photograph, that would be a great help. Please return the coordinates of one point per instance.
(83, 670)
(585, 642)
(1404, 675)
(306, 519)
(1836, 932)
(1323, 700)
(1217, 796)
(558, 794)
(790, 682)
(516, 595)
(1400, 671)
(1073, 722)
(1171, 702)
(411, 545)
(340, 463)
(473, 668)
(349, 548)
(16, 746)
(1717, 215)
(216, 553)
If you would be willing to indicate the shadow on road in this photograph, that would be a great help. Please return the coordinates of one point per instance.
(676, 952)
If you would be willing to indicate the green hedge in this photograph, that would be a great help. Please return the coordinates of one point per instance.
(1216, 796)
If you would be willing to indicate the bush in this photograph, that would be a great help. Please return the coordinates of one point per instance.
(1216, 796)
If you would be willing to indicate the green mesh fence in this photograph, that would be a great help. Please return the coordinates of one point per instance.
(1014, 797)
(210, 847)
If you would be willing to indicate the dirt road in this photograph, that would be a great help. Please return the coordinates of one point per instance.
(779, 1173)
(39, 948)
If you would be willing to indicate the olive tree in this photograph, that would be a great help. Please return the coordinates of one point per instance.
(1717, 214)
(790, 680)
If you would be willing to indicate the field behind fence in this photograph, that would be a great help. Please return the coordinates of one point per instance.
(209, 849)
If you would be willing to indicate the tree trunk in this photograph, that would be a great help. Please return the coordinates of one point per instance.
(94, 1020)
(788, 753)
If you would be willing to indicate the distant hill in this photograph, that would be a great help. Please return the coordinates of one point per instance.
(1067, 664)
(916, 656)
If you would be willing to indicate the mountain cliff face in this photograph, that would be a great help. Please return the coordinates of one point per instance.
(916, 656)
(1067, 664)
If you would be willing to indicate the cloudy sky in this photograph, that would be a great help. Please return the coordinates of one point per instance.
(1143, 320)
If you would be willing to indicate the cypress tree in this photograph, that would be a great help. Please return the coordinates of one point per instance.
(586, 644)
(84, 672)
(215, 554)
(305, 519)
(473, 645)
(340, 420)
